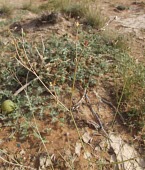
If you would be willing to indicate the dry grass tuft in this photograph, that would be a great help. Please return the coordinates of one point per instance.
(6, 10)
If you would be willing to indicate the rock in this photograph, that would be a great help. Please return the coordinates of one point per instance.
(121, 7)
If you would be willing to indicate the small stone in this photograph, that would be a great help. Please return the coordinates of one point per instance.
(97, 148)
(22, 152)
(48, 162)
(42, 161)
(87, 155)
(86, 137)
(121, 7)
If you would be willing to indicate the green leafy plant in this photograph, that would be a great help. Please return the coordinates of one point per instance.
(63, 63)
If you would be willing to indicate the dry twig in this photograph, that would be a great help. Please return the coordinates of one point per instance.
(96, 116)
(77, 105)
(16, 164)
(24, 86)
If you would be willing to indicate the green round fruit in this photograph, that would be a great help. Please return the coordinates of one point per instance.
(8, 106)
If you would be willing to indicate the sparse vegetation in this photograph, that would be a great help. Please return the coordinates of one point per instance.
(58, 68)
(130, 84)
(94, 18)
(53, 70)
(82, 11)
(73, 10)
